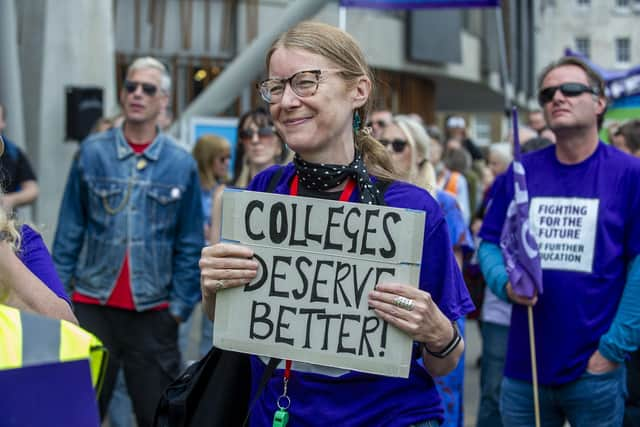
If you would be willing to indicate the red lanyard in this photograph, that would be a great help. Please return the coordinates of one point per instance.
(281, 416)
(344, 196)
(287, 370)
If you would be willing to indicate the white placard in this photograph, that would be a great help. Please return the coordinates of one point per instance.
(319, 260)
(565, 230)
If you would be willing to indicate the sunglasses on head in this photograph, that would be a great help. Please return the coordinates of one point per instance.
(149, 89)
(568, 89)
(397, 145)
(379, 123)
(263, 131)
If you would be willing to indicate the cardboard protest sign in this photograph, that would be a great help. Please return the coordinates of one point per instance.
(318, 259)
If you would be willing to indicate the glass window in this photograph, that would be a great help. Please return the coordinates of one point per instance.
(622, 3)
(583, 45)
(584, 2)
(623, 50)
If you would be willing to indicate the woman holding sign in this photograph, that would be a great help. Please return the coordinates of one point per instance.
(318, 90)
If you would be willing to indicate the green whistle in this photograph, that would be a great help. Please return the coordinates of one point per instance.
(280, 418)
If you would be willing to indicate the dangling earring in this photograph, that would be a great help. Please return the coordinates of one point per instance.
(356, 121)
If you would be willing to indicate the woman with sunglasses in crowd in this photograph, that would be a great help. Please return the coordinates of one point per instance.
(319, 93)
(408, 145)
(259, 147)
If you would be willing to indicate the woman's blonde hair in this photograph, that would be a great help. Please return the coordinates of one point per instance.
(9, 230)
(205, 151)
(421, 174)
(340, 48)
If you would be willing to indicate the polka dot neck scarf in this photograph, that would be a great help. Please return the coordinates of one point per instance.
(323, 177)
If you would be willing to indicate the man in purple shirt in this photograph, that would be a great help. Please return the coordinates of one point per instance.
(583, 215)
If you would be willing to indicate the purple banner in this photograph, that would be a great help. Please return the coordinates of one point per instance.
(418, 4)
(620, 83)
(52, 394)
(519, 248)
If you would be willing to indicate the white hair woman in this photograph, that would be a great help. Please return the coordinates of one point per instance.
(409, 146)
(499, 157)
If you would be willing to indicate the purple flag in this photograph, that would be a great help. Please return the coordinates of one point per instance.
(418, 4)
(519, 247)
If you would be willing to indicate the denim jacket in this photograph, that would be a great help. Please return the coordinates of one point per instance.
(150, 205)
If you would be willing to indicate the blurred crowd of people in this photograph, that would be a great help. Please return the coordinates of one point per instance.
(134, 218)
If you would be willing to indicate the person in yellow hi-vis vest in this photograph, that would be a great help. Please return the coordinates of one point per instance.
(47, 370)
(29, 339)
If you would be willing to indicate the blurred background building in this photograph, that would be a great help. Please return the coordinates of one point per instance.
(432, 62)
(605, 31)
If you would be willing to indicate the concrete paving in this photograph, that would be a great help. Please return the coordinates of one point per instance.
(473, 349)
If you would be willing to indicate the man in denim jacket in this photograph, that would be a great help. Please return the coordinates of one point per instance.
(129, 238)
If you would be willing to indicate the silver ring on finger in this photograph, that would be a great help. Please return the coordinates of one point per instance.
(218, 284)
(404, 303)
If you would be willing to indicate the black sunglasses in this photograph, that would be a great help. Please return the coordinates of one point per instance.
(568, 89)
(149, 89)
(248, 133)
(397, 144)
(380, 123)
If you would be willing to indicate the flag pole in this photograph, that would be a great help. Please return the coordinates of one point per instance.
(507, 87)
(534, 366)
(532, 341)
(342, 18)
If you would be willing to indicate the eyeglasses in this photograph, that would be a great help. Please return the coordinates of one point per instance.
(568, 89)
(303, 83)
(397, 144)
(149, 89)
(249, 133)
(379, 123)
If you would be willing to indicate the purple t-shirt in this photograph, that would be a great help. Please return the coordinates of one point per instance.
(458, 231)
(34, 255)
(584, 218)
(334, 397)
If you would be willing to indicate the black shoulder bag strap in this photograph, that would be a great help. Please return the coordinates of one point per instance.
(266, 375)
(273, 362)
(273, 181)
(382, 185)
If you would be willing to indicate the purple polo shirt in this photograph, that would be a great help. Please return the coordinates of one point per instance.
(334, 397)
(584, 218)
